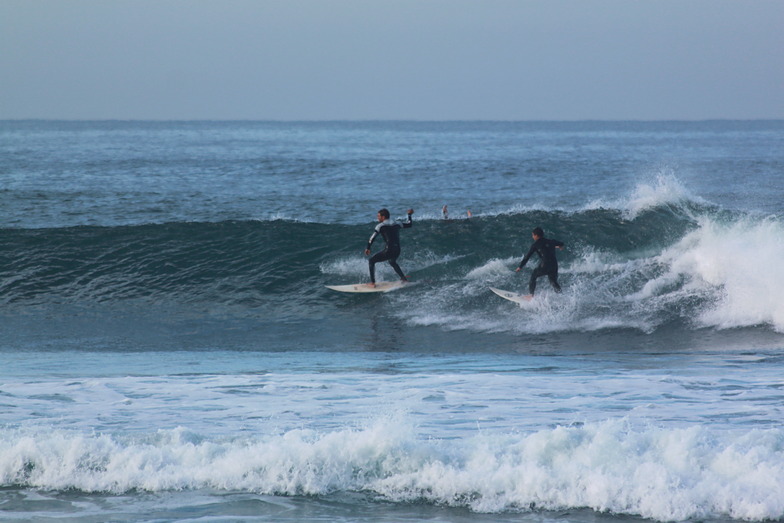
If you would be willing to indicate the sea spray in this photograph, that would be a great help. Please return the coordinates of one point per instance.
(612, 466)
(738, 264)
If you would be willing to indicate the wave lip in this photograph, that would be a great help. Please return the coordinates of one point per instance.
(664, 190)
(657, 473)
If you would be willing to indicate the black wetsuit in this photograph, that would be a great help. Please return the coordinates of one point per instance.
(390, 231)
(548, 264)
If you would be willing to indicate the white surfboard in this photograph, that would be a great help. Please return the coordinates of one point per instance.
(513, 296)
(381, 286)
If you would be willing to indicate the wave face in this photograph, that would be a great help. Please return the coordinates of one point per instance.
(656, 262)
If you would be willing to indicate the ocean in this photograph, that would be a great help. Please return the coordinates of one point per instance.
(169, 350)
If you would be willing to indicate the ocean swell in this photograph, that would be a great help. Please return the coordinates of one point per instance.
(685, 264)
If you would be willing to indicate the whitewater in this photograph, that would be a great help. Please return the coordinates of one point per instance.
(170, 351)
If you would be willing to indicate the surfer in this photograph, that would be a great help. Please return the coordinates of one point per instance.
(390, 231)
(445, 213)
(548, 264)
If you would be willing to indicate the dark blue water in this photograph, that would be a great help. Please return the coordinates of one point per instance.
(59, 174)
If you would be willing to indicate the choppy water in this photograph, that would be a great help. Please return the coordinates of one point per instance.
(170, 351)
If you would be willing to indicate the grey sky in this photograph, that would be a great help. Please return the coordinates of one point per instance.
(392, 59)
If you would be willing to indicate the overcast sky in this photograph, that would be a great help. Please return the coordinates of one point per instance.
(392, 59)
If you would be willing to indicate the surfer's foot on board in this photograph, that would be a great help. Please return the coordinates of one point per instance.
(371, 285)
(529, 297)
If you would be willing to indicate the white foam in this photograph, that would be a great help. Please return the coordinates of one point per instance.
(597, 262)
(425, 259)
(354, 266)
(592, 300)
(739, 263)
(663, 189)
(611, 466)
(491, 269)
(282, 217)
(666, 189)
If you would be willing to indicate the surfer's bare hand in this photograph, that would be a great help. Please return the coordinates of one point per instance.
(367, 252)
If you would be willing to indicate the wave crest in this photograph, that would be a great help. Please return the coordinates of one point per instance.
(611, 466)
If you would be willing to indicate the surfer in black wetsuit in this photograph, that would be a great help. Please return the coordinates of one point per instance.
(548, 264)
(390, 231)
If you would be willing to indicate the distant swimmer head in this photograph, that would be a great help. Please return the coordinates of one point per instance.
(538, 232)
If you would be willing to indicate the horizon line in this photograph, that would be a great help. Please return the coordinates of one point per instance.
(394, 120)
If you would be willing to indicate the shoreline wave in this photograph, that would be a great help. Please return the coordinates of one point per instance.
(612, 466)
